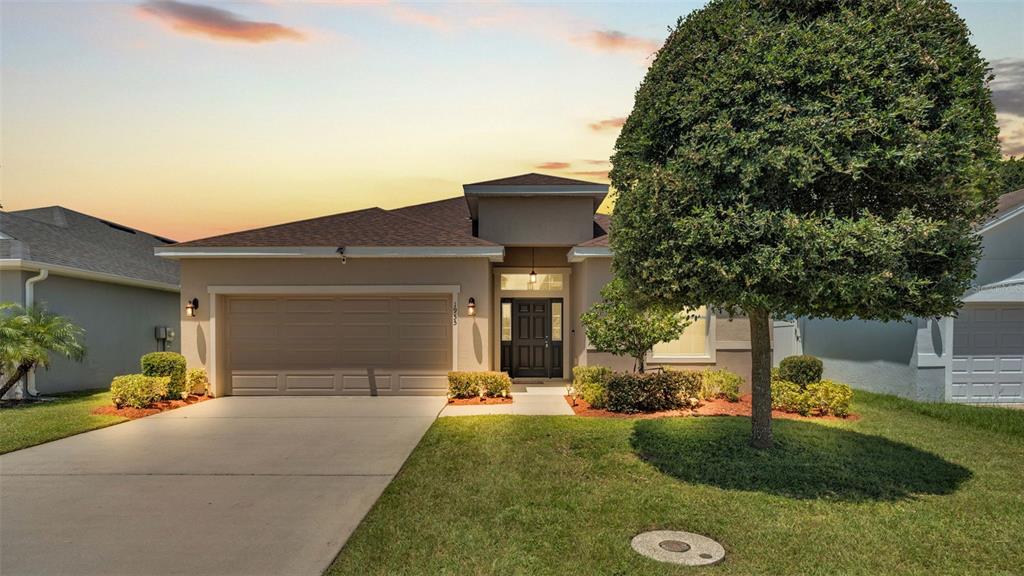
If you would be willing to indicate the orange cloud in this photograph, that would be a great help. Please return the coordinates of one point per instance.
(597, 162)
(615, 41)
(552, 166)
(593, 173)
(215, 23)
(607, 124)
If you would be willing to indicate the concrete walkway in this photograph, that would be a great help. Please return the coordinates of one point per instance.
(230, 486)
(527, 400)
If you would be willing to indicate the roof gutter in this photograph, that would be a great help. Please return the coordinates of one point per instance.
(492, 253)
(581, 253)
(30, 300)
(71, 272)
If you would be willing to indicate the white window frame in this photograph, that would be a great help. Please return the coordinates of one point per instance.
(708, 357)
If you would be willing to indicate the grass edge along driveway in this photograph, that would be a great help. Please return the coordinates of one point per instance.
(897, 492)
(64, 415)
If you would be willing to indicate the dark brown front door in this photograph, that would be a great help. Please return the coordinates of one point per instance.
(531, 340)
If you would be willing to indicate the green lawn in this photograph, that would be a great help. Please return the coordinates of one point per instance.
(901, 491)
(68, 414)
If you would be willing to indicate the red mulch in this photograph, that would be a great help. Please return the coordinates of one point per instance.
(476, 401)
(716, 407)
(156, 408)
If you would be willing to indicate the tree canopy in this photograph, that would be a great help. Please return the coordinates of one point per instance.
(823, 158)
(620, 325)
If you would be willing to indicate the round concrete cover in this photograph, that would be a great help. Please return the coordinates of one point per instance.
(698, 550)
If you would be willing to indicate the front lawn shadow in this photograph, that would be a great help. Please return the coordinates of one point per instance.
(809, 460)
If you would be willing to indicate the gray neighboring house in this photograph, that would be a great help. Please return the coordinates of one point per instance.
(101, 275)
(975, 357)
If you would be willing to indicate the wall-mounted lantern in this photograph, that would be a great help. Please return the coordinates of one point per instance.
(471, 307)
(191, 306)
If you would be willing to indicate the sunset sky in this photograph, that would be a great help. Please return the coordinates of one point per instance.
(188, 119)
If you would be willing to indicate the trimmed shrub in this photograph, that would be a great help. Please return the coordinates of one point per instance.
(651, 391)
(170, 364)
(590, 384)
(196, 382)
(830, 397)
(826, 397)
(801, 370)
(720, 383)
(789, 397)
(138, 390)
(472, 384)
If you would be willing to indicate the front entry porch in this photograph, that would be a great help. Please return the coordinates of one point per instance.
(533, 346)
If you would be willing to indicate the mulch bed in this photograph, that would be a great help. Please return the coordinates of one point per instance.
(716, 407)
(158, 407)
(477, 401)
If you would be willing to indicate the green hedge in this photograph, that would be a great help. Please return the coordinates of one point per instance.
(138, 390)
(720, 383)
(651, 391)
(590, 384)
(473, 384)
(196, 382)
(825, 396)
(170, 364)
(801, 370)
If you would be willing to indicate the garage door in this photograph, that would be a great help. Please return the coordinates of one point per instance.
(285, 345)
(988, 354)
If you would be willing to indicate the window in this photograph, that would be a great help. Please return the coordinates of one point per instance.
(551, 282)
(692, 344)
(506, 321)
(556, 321)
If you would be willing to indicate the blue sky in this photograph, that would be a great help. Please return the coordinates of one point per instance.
(194, 118)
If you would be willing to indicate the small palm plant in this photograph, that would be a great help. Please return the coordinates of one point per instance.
(27, 338)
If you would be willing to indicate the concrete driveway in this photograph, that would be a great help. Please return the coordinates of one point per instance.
(229, 486)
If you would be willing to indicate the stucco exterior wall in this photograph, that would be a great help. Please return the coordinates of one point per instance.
(119, 324)
(471, 274)
(555, 221)
(12, 286)
(874, 356)
(731, 341)
(1002, 252)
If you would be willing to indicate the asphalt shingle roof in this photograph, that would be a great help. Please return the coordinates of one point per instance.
(59, 236)
(369, 227)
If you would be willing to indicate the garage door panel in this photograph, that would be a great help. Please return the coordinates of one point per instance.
(427, 332)
(988, 354)
(338, 345)
(355, 306)
(436, 307)
(366, 331)
(242, 384)
(315, 382)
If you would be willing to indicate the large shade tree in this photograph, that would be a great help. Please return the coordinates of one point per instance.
(820, 158)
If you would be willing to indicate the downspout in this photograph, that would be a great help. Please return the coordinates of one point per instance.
(30, 298)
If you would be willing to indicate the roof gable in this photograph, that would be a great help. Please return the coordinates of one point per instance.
(535, 179)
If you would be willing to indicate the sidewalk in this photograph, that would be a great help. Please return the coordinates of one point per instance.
(527, 400)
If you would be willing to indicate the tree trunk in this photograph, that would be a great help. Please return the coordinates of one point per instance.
(638, 364)
(17, 376)
(761, 378)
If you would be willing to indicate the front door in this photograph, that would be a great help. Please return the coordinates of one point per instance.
(531, 339)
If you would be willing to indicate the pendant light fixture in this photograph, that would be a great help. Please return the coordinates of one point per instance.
(533, 262)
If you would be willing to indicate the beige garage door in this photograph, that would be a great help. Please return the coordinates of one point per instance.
(285, 345)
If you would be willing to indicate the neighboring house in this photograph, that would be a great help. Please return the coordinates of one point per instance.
(388, 301)
(103, 276)
(976, 357)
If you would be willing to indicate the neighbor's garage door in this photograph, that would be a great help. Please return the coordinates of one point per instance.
(287, 345)
(988, 354)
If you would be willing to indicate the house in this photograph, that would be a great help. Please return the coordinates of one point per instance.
(101, 275)
(976, 356)
(388, 301)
